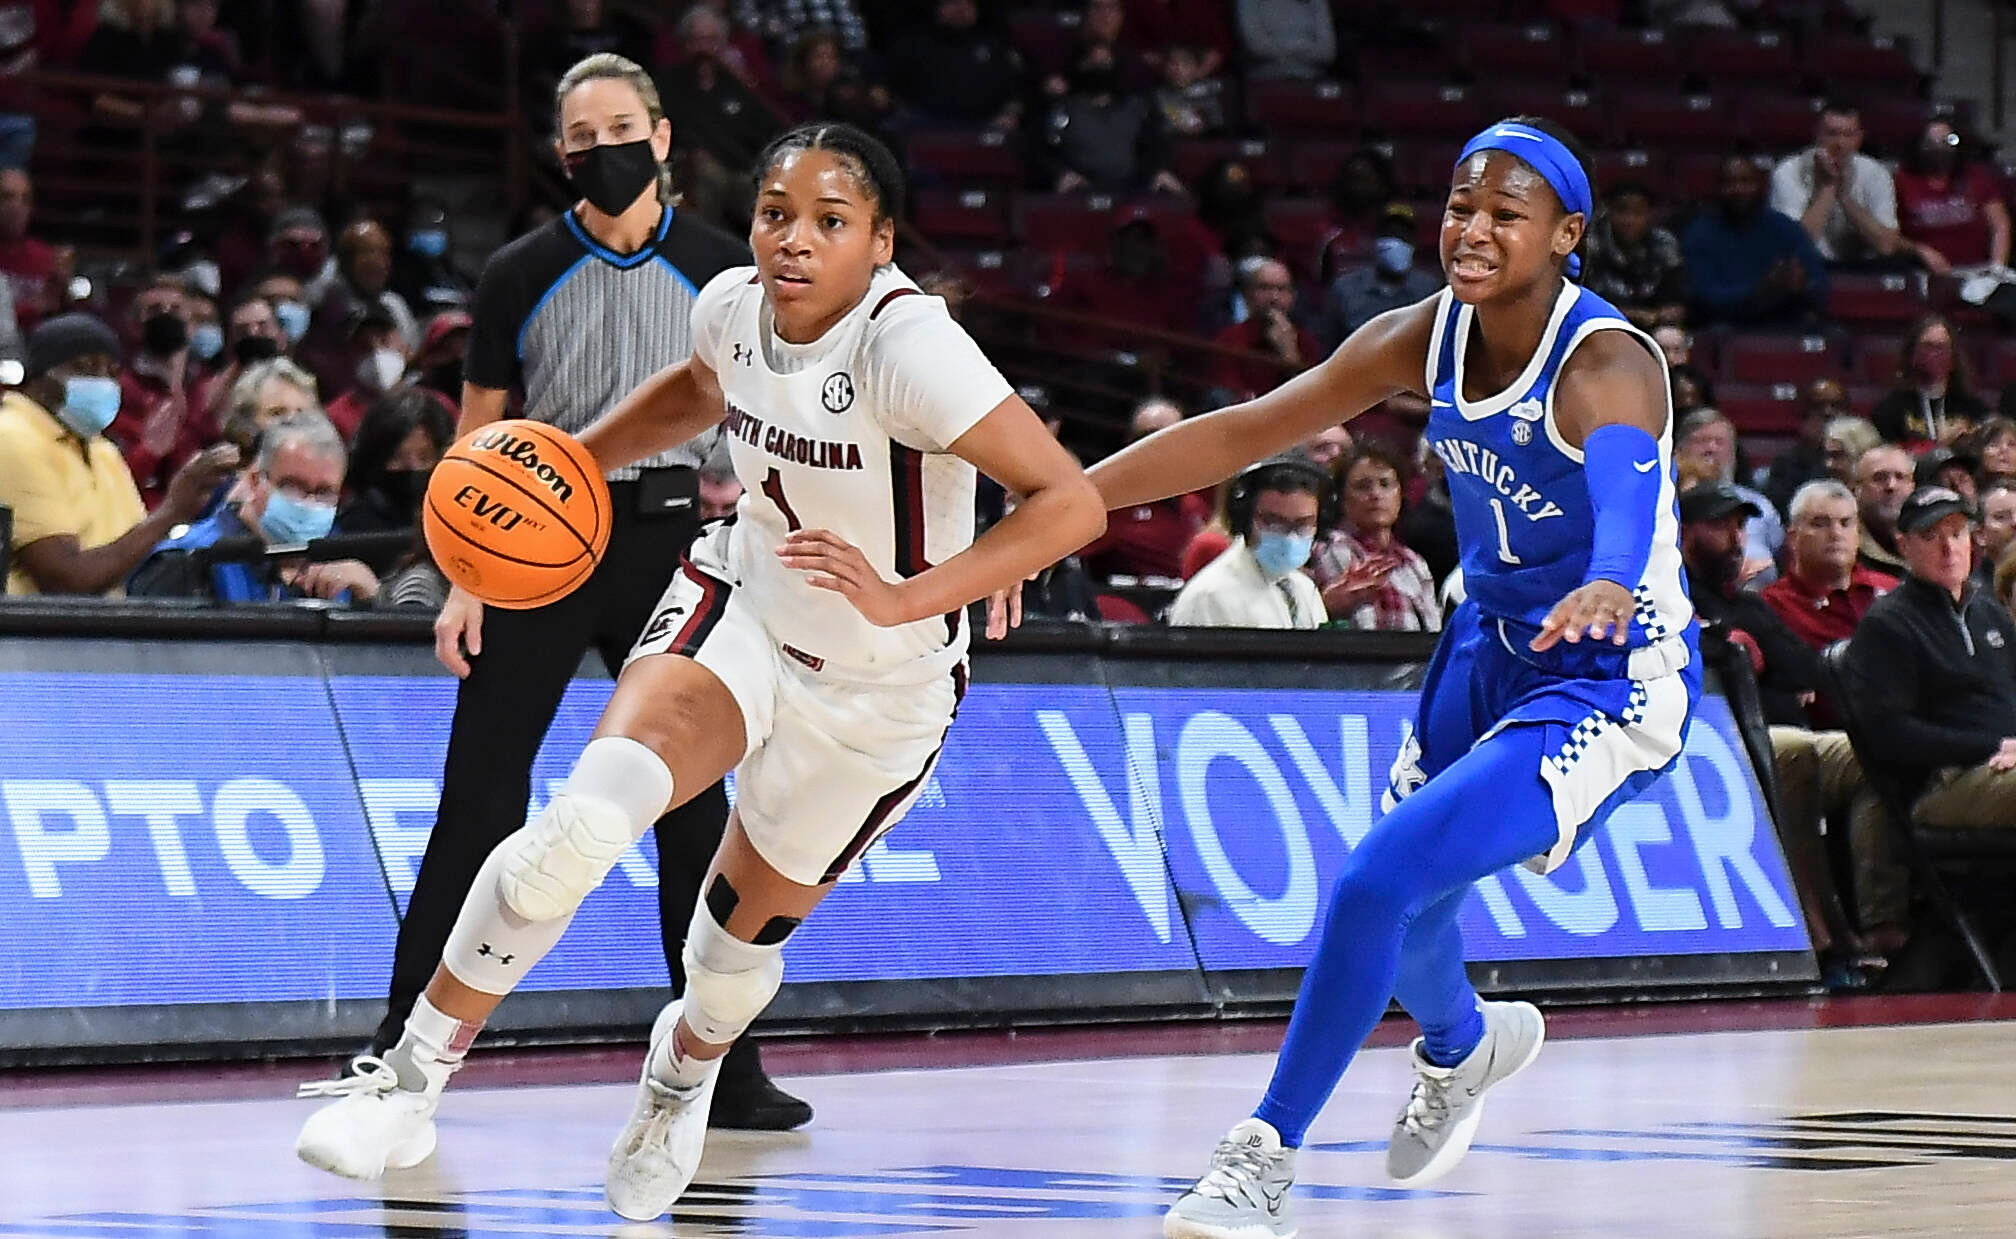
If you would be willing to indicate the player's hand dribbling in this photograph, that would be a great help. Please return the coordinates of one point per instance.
(1597, 610)
(458, 627)
(831, 562)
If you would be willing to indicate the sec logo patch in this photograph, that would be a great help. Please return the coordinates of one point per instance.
(837, 393)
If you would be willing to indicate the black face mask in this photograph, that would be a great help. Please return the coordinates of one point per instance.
(164, 335)
(611, 176)
(252, 350)
(404, 488)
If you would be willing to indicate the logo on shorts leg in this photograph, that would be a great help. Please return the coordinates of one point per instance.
(663, 622)
(837, 393)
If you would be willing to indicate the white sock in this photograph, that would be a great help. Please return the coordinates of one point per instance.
(675, 1069)
(431, 1048)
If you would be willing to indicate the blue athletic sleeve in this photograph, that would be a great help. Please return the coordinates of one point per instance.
(1622, 468)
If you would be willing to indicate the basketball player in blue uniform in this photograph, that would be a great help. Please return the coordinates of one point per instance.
(1560, 689)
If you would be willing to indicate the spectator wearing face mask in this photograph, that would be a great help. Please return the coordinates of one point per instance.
(1633, 265)
(1274, 510)
(206, 333)
(377, 365)
(444, 349)
(424, 272)
(288, 498)
(1269, 330)
(287, 295)
(395, 450)
(159, 427)
(1356, 297)
(1949, 208)
(251, 333)
(297, 245)
(1932, 398)
(78, 524)
(1806, 459)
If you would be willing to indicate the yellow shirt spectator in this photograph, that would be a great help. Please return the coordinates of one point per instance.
(56, 483)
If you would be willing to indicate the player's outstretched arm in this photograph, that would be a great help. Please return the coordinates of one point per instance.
(1610, 401)
(664, 411)
(1383, 358)
(1058, 513)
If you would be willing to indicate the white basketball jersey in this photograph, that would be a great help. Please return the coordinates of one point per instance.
(848, 434)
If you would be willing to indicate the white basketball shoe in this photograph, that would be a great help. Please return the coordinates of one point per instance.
(653, 1162)
(373, 1126)
(1244, 1195)
(1434, 1131)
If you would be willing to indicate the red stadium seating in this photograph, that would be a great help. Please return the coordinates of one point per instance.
(1313, 165)
(1301, 225)
(1863, 62)
(1892, 126)
(1642, 57)
(1631, 164)
(1875, 298)
(1776, 121)
(965, 157)
(1420, 107)
(2000, 370)
(1423, 166)
(1580, 110)
(1744, 56)
(971, 214)
(1193, 157)
(1073, 223)
(988, 271)
(1779, 359)
(1692, 176)
(1533, 48)
(1761, 408)
(1876, 359)
(1653, 117)
(1280, 109)
(1045, 39)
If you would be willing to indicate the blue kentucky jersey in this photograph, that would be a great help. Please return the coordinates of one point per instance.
(1524, 521)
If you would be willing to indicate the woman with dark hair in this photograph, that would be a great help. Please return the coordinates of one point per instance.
(1370, 579)
(1994, 444)
(821, 82)
(1562, 686)
(1932, 396)
(1949, 207)
(398, 443)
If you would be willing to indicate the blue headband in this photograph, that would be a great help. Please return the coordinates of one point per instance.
(1547, 156)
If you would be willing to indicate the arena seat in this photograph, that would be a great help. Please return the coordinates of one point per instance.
(1776, 120)
(1761, 408)
(963, 157)
(1074, 223)
(1743, 56)
(1875, 358)
(1772, 359)
(1415, 107)
(1653, 117)
(1874, 298)
(953, 214)
(1861, 62)
(1580, 110)
(1651, 57)
(1491, 49)
(1999, 369)
(1313, 165)
(1285, 108)
(1191, 158)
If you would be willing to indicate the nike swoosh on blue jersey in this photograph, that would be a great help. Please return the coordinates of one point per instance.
(1645, 466)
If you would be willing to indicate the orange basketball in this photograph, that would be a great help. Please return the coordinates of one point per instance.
(517, 514)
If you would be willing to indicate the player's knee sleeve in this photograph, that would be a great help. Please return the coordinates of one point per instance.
(618, 788)
(491, 947)
(728, 981)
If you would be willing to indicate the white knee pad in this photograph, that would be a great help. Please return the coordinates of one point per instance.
(728, 981)
(617, 790)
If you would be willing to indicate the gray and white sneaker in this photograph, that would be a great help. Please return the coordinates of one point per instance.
(1244, 1195)
(1434, 1131)
(658, 1153)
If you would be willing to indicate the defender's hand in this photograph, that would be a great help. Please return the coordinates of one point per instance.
(1597, 610)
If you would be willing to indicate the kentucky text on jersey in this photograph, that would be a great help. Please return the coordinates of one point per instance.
(781, 443)
(1463, 456)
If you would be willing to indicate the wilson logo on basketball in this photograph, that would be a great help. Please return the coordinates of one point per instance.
(525, 454)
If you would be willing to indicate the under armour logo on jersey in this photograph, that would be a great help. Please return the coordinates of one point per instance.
(744, 355)
(499, 956)
(837, 393)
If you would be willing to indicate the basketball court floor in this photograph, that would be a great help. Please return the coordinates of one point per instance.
(1787, 1119)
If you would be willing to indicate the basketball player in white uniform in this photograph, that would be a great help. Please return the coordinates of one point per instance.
(815, 644)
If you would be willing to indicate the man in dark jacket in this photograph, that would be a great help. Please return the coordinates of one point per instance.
(1933, 668)
(1817, 773)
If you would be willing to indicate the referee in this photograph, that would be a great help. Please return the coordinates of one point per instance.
(577, 314)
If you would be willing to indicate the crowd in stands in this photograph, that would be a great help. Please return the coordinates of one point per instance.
(1236, 175)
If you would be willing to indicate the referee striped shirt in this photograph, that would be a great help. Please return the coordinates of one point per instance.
(577, 325)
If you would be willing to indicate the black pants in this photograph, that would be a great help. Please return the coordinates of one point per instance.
(501, 715)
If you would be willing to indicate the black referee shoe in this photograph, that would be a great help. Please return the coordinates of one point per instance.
(746, 1099)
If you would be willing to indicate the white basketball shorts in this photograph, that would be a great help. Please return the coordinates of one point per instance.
(832, 764)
